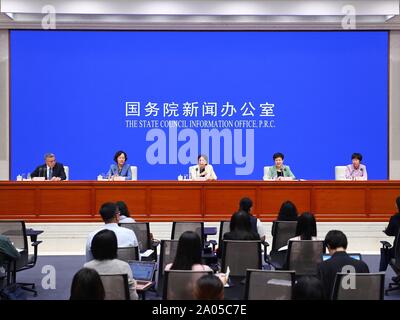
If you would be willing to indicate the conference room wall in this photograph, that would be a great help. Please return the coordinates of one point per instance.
(4, 105)
(69, 238)
(394, 106)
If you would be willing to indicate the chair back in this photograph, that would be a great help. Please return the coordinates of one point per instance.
(128, 253)
(224, 227)
(266, 170)
(116, 286)
(304, 256)
(340, 173)
(283, 231)
(142, 232)
(168, 250)
(359, 286)
(269, 285)
(134, 170)
(180, 284)
(15, 230)
(66, 170)
(240, 256)
(180, 227)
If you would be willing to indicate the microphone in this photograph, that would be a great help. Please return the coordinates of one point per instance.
(40, 171)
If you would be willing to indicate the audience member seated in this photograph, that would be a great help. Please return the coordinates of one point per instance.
(246, 205)
(209, 287)
(87, 285)
(188, 254)
(306, 227)
(124, 215)
(7, 253)
(7, 250)
(392, 230)
(104, 249)
(336, 242)
(287, 212)
(240, 228)
(308, 288)
(110, 216)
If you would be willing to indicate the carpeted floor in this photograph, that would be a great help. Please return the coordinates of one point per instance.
(66, 266)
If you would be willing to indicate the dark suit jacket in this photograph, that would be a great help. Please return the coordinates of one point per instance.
(58, 171)
(328, 269)
(393, 227)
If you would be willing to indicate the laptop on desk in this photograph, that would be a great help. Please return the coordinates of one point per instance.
(143, 273)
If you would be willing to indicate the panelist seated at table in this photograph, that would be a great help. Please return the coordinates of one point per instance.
(121, 168)
(50, 170)
(279, 171)
(356, 170)
(203, 170)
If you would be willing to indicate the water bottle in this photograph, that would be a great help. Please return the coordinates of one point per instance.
(180, 177)
(19, 177)
(28, 177)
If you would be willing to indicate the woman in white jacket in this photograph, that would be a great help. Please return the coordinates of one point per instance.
(202, 171)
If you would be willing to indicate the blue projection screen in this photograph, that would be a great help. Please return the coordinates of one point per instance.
(165, 97)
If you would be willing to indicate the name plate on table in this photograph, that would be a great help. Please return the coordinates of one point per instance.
(119, 178)
(100, 178)
(201, 179)
(286, 179)
(38, 179)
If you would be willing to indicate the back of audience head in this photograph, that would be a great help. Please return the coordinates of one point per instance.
(104, 245)
(209, 287)
(288, 212)
(246, 204)
(308, 288)
(188, 252)
(87, 285)
(335, 240)
(306, 226)
(240, 222)
(109, 212)
(123, 208)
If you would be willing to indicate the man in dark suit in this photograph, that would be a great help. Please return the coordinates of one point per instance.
(51, 170)
(336, 242)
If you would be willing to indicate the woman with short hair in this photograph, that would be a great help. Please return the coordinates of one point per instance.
(356, 170)
(104, 249)
(121, 168)
(279, 171)
(203, 170)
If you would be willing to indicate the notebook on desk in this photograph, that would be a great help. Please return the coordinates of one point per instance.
(143, 273)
